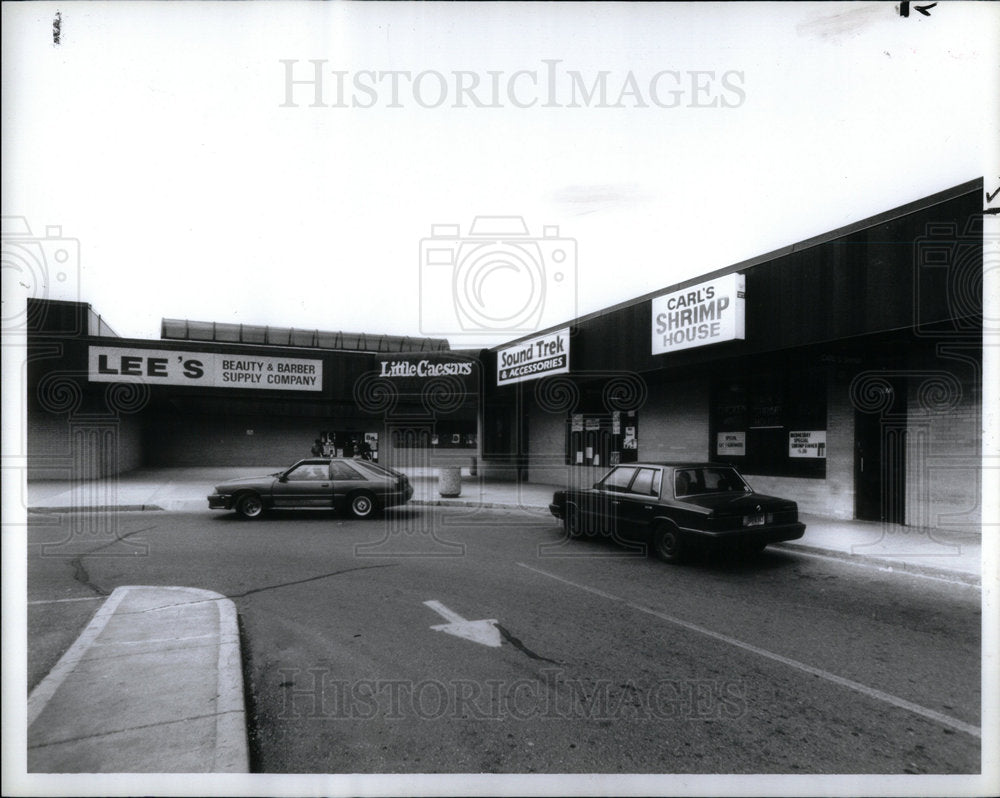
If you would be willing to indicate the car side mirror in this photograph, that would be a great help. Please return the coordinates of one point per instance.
(283, 478)
(597, 486)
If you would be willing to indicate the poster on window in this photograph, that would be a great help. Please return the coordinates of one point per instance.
(807, 444)
(630, 441)
(731, 444)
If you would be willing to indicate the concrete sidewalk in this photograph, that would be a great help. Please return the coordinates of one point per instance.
(154, 684)
(948, 554)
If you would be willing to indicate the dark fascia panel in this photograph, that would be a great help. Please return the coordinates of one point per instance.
(970, 186)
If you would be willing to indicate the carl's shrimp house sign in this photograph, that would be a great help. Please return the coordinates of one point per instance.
(699, 315)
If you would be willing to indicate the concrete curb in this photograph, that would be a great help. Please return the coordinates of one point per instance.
(153, 684)
(101, 508)
(444, 502)
(884, 563)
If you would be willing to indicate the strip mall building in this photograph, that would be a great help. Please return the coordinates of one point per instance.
(844, 372)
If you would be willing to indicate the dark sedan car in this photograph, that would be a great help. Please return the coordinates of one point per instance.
(676, 506)
(357, 486)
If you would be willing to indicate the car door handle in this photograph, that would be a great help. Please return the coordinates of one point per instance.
(325, 485)
(647, 507)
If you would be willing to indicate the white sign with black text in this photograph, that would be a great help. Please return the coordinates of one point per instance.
(702, 314)
(205, 369)
(807, 444)
(537, 357)
(733, 444)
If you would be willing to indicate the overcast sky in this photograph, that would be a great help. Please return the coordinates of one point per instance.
(662, 141)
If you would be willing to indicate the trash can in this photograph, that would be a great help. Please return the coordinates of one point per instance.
(450, 481)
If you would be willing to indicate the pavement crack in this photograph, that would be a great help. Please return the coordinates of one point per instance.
(309, 579)
(521, 647)
(127, 729)
(80, 573)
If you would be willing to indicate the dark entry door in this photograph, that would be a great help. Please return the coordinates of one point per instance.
(880, 458)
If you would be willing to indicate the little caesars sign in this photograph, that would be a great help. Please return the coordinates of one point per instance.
(537, 357)
(703, 314)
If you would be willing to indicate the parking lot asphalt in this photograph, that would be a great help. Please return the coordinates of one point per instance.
(142, 635)
(952, 554)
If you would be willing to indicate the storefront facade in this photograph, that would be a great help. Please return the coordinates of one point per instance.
(844, 372)
(208, 394)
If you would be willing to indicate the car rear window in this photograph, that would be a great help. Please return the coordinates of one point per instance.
(344, 471)
(696, 481)
(381, 470)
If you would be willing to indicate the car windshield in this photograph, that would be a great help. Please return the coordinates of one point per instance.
(708, 479)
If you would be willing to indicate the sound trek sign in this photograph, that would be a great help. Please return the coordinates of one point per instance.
(204, 369)
(541, 356)
(703, 314)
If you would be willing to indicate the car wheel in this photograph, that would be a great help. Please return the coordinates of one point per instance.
(249, 505)
(362, 505)
(572, 522)
(667, 543)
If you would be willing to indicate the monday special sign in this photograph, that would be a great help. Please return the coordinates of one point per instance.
(206, 369)
(702, 314)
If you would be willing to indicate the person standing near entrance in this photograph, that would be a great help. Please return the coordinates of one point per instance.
(317, 448)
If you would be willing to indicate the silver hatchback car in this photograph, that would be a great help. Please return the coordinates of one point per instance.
(359, 487)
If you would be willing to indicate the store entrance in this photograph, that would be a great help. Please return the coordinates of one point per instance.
(348, 443)
(880, 456)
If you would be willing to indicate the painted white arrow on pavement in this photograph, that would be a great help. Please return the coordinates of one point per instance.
(484, 632)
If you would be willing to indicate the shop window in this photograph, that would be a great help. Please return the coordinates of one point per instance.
(449, 434)
(766, 423)
(499, 431)
(605, 439)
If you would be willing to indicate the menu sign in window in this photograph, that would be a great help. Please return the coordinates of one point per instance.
(807, 444)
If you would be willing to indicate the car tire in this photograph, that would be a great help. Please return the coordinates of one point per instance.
(668, 544)
(572, 522)
(362, 505)
(250, 506)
